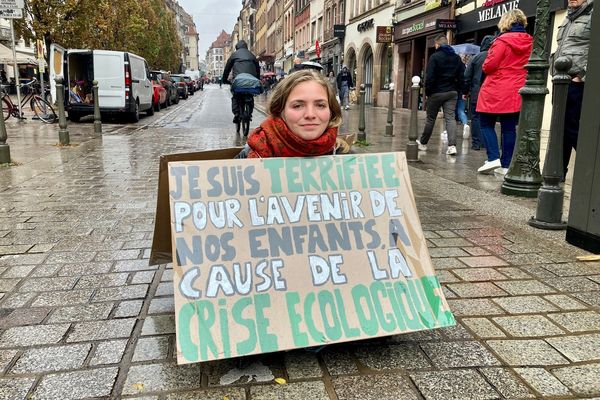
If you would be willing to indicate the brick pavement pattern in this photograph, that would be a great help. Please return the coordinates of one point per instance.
(82, 315)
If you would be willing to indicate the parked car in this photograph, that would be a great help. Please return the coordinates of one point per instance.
(124, 85)
(179, 82)
(159, 97)
(190, 84)
(164, 78)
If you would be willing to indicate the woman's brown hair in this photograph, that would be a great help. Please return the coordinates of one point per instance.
(283, 89)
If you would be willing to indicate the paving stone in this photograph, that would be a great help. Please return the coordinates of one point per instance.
(417, 336)
(17, 300)
(8, 285)
(400, 356)
(49, 359)
(565, 302)
(231, 393)
(121, 293)
(167, 275)
(158, 325)
(18, 271)
(47, 284)
(151, 348)
(578, 321)
(27, 336)
(590, 298)
(97, 246)
(161, 305)
(15, 388)
(165, 289)
(293, 391)
(489, 241)
(258, 369)
(22, 259)
(571, 269)
(506, 383)
(89, 312)
(485, 261)
(459, 354)
(578, 348)
(109, 352)
(514, 273)
(476, 251)
(453, 385)
(373, 387)
(6, 357)
(133, 265)
(574, 284)
(542, 381)
(339, 361)
(526, 352)
(447, 263)
(77, 385)
(456, 332)
(143, 277)
(479, 274)
(69, 257)
(528, 326)
(117, 255)
(582, 380)
(477, 289)
(62, 298)
(162, 377)
(445, 276)
(450, 242)
(483, 328)
(446, 234)
(525, 304)
(45, 271)
(89, 268)
(436, 252)
(302, 365)
(129, 308)
(14, 249)
(23, 316)
(468, 307)
(525, 287)
(100, 330)
(523, 259)
(102, 280)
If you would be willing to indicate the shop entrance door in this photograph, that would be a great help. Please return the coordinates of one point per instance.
(368, 78)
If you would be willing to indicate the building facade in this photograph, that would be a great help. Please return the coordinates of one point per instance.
(334, 30)
(188, 35)
(217, 54)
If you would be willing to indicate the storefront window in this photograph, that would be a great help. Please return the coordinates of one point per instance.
(386, 68)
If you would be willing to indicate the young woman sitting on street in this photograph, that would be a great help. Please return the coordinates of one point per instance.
(303, 120)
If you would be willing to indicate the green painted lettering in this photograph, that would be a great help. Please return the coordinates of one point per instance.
(317, 336)
(373, 172)
(418, 299)
(224, 324)
(390, 170)
(206, 319)
(274, 165)
(248, 345)
(292, 173)
(325, 173)
(300, 338)
(348, 331)
(377, 292)
(267, 341)
(188, 348)
(333, 329)
(369, 325)
(431, 286)
(308, 180)
(412, 319)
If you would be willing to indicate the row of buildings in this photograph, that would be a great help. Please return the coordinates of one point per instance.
(381, 41)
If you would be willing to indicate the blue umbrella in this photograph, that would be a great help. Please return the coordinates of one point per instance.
(466, 49)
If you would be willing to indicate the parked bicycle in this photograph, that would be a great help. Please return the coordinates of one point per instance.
(40, 107)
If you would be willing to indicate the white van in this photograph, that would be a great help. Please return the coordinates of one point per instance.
(124, 85)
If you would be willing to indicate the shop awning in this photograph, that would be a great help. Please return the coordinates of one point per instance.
(6, 56)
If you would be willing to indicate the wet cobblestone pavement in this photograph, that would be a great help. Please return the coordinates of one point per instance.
(82, 315)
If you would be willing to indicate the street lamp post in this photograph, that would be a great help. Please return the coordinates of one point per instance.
(523, 177)
(389, 128)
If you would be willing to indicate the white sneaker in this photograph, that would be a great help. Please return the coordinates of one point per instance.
(444, 136)
(346, 108)
(451, 150)
(489, 166)
(422, 147)
(466, 131)
(500, 171)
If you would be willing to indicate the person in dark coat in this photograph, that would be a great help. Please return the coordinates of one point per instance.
(443, 83)
(473, 81)
(344, 83)
(241, 61)
(499, 98)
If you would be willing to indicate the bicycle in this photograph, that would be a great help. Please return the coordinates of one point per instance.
(245, 103)
(40, 107)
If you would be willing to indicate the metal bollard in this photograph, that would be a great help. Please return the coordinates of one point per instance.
(362, 135)
(97, 117)
(4, 147)
(550, 196)
(63, 133)
(389, 128)
(412, 149)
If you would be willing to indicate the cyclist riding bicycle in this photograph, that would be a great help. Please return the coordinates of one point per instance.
(242, 61)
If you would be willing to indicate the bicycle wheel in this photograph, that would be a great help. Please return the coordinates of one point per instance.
(43, 109)
(6, 108)
(245, 117)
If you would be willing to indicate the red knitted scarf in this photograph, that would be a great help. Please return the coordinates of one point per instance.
(273, 138)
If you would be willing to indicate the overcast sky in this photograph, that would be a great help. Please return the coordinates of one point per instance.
(211, 17)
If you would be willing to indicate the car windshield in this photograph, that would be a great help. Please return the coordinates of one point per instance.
(155, 76)
(187, 78)
(176, 78)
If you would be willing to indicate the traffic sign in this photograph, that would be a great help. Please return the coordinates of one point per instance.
(11, 4)
(14, 13)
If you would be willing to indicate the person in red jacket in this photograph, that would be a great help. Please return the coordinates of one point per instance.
(499, 98)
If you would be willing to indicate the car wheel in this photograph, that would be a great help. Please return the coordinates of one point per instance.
(150, 111)
(74, 117)
(135, 115)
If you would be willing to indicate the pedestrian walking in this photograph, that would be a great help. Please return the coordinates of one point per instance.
(443, 82)
(499, 98)
(303, 119)
(473, 80)
(573, 41)
(333, 82)
(344, 84)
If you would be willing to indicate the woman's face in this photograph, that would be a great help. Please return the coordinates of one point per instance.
(306, 110)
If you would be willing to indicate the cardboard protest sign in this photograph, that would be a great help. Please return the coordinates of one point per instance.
(282, 253)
